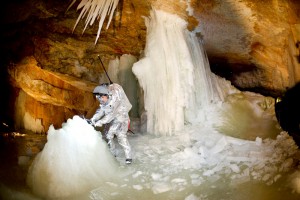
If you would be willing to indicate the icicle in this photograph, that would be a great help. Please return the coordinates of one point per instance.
(96, 9)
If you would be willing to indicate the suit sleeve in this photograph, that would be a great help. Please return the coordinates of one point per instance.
(97, 116)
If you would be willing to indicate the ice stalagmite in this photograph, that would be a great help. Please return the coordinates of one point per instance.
(174, 74)
(74, 160)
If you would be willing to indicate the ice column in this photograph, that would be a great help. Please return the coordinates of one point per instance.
(174, 74)
(120, 71)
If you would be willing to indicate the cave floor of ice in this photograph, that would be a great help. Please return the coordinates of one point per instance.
(200, 163)
(197, 163)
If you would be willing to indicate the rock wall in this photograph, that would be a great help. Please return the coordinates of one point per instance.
(254, 40)
(46, 97)
(255, 44)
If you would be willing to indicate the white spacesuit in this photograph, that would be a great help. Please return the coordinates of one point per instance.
(113, 110)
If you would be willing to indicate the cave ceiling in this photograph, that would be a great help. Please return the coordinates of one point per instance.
(252, 43)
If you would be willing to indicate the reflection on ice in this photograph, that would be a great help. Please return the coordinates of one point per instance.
(247, 115)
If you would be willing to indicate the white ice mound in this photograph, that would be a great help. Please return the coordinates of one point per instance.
(74, 160)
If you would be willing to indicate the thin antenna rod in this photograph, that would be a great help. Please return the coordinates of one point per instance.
(105, 70)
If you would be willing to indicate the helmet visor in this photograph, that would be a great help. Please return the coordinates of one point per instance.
(100, 94)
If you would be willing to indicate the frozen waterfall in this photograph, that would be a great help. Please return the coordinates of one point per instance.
(175, 75)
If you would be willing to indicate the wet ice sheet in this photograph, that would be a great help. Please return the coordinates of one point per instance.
(201, 159)
(197, 163)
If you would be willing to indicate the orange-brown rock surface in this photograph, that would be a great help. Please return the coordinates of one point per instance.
(256, 39)
(47, 97)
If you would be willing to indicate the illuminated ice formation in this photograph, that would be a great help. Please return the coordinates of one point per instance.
(74, 160)
(175, 75)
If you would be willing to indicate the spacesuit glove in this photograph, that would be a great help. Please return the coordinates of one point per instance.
(92, 121)
(98, 124)
(88, 121)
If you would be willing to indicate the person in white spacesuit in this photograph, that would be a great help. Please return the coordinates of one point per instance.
(113, 111)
